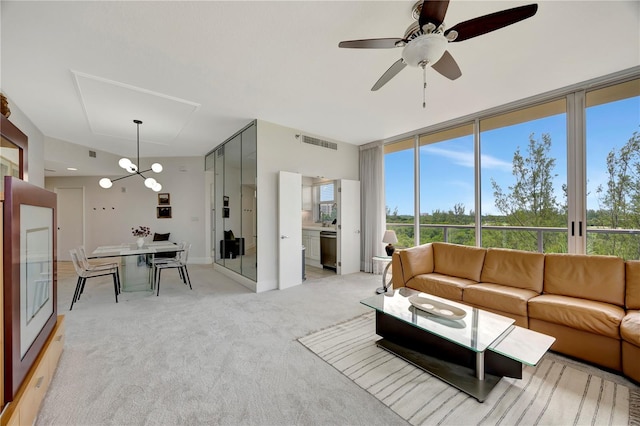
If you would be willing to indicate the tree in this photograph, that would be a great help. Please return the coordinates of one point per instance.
(530, 201)
(620, 200)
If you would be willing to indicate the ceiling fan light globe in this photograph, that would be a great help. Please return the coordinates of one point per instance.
(427, 48)
(124, 163)
(156, 167)
(105, 183)
(157, 187)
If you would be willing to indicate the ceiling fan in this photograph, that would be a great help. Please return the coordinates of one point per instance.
(425, 41)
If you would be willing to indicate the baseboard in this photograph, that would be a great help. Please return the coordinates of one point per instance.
(246, 282)
(200, 260)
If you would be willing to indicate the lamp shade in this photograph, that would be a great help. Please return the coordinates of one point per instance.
(390, 237)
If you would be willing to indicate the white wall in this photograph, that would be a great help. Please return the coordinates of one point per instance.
(111, 213)
(35, 154)
(279, 149)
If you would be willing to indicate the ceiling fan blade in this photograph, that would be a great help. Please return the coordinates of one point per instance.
(372, 43)
(494, 21)
(433, 11)
(389, 74)
(447, 66)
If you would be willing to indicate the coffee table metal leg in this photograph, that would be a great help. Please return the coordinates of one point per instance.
(480, 365)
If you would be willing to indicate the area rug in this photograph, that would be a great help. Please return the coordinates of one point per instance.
(552, 393)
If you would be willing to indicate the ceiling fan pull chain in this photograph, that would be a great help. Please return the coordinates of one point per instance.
(424, 87)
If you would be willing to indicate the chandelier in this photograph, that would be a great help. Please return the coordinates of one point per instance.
(132, 168)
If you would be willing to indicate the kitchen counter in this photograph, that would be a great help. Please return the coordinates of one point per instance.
(319, 228)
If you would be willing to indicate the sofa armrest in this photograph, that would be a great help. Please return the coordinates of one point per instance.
(397, 274)
(411, 262)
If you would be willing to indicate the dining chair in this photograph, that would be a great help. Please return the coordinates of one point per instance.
(180, 264)
(155, 260)
(84, 273)
(96, 266)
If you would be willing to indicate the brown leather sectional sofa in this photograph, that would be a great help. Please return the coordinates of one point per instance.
(590, 304)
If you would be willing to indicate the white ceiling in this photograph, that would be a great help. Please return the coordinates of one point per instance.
(196, 72)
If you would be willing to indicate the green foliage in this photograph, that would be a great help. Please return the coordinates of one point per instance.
(619, 203)
(530, 200)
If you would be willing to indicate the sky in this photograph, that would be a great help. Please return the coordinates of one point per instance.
(609, 125)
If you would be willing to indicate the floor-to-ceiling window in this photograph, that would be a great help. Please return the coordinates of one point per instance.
(400, 190)
(447, 186)
(613, 170)
(524, 176)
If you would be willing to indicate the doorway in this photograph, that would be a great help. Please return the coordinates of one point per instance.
(70, 220)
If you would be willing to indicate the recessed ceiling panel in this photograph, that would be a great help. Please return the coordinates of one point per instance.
(111, 107)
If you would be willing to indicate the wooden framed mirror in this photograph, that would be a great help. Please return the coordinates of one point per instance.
(13, 152)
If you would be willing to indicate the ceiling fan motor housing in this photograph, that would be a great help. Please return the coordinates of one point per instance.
(426, 49)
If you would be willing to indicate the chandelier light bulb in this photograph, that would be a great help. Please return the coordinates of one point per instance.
(132, 168)
(106, 183)
(150, 182)
(156, 167)
(157, 187)
(124, 163)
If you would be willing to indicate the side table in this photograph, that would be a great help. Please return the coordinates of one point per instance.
(378, 261)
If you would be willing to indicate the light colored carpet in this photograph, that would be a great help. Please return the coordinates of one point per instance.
(556, 392)
(214, 355)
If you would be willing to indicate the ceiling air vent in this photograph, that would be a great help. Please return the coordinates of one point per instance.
(319, 142)
(92, 154)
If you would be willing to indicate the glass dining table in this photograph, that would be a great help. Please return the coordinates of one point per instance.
(136, 263)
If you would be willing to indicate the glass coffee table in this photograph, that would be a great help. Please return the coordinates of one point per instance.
(469, 348)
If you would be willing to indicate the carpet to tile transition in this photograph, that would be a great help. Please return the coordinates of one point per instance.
(552, 393)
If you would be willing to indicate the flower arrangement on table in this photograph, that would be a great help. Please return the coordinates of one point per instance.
(141, 231)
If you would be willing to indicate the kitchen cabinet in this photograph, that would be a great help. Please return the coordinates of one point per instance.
(311, 241)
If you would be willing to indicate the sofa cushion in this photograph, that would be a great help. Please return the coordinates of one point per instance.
(498, 297)
(590, 277)
(440, 285)
(630, 328)
(581, 314)
(458, 260)
(416, 260)
(515, 268)
(632, 276)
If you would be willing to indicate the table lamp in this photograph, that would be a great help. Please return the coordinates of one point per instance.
(389, 238)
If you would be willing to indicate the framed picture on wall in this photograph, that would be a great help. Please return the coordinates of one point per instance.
(164, 199)
(225, 201)
(164, 212)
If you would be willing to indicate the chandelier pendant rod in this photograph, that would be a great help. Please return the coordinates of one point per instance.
(138, 123)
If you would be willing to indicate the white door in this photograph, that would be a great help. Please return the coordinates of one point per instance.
(70, 220)
(289, 230)
(349, 227)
